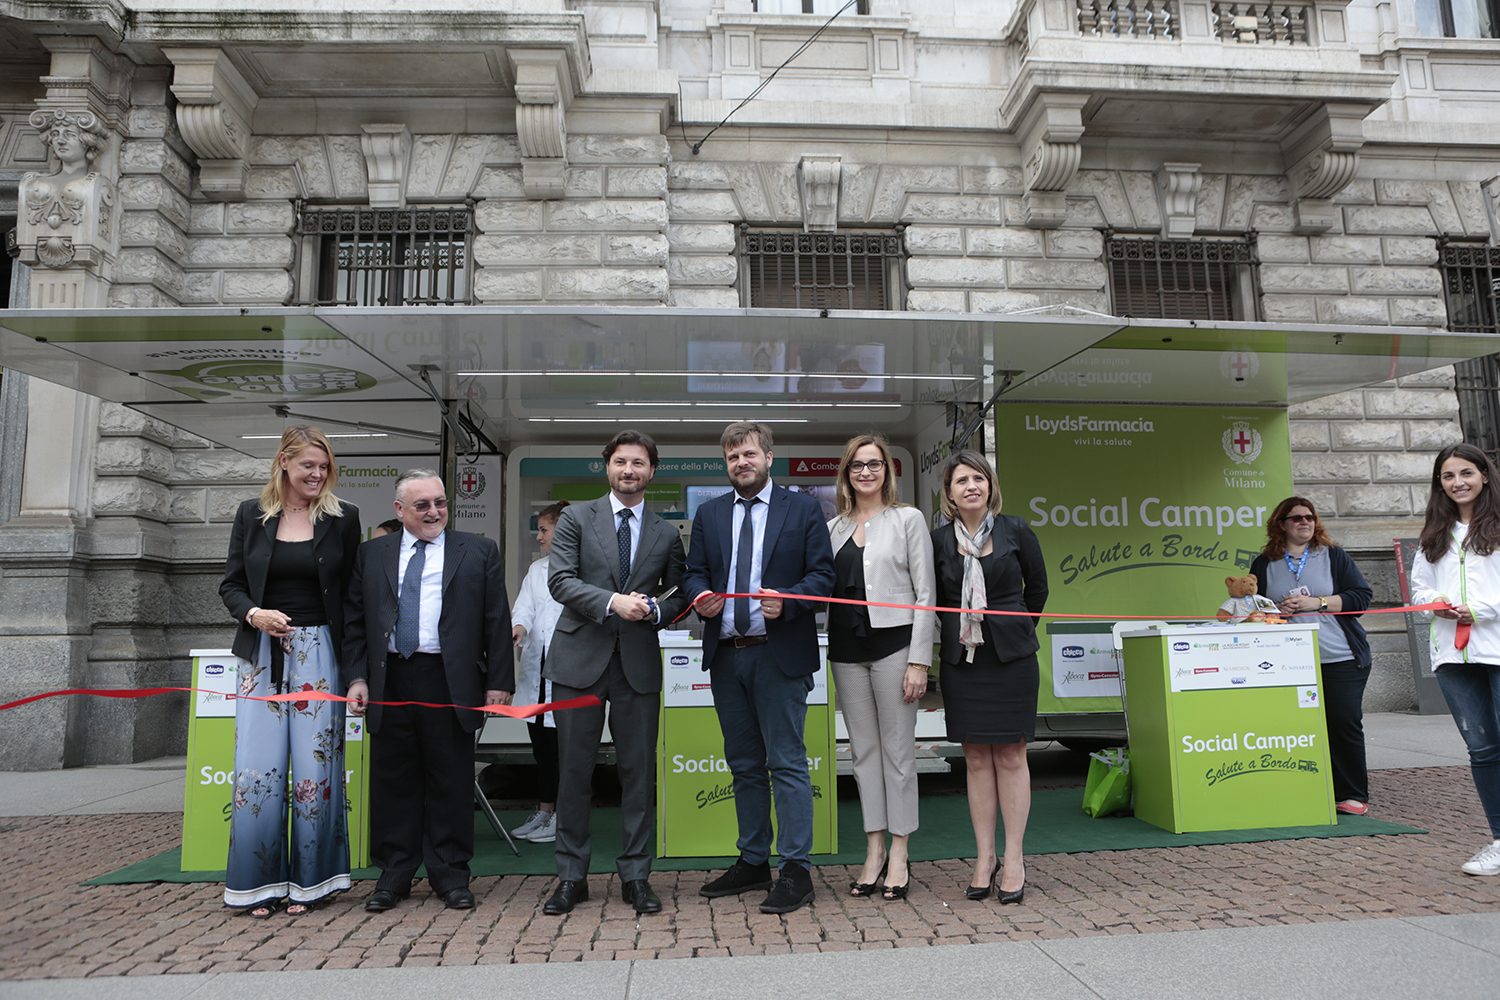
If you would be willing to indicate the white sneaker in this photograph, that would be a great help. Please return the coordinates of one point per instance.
(536, 819)
(545, 831)
(1486, 862)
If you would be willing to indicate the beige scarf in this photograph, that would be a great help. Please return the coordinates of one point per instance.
(972, 594)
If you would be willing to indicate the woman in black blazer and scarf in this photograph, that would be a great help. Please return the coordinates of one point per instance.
(984, 559)
(290, 555)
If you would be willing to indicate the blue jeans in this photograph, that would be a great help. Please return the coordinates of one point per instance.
(1472, 691)
(762, 713)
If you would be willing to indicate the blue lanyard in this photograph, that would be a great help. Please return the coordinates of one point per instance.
(1298, 566)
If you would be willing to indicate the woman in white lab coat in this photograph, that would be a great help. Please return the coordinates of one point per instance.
(532, 621)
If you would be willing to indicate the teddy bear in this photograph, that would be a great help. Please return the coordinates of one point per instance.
(1246, 604)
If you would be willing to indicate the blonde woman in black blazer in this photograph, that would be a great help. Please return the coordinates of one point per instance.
(285, 578)
(880, 656)
(985, 559)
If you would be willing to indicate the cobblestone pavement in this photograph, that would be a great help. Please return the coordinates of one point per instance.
(53, 928)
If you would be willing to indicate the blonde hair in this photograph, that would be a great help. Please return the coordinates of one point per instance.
(293, 441)
(979, 464)
(843, 493)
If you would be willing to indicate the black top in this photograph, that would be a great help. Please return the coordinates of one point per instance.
(1015, 579)
(292, 584)
(850, 637)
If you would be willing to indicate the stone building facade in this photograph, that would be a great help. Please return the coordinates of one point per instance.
(609, 160)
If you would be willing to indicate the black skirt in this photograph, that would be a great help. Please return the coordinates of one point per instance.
(988, 701)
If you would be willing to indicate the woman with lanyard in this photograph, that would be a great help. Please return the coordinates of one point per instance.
(1459, 566)
(1312, 580)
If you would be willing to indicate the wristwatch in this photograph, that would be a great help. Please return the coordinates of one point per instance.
(1322, 604)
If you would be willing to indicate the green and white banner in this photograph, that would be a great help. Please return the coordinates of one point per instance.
(1140, 510)
(695, 814)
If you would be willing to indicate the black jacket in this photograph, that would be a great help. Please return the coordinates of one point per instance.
(335, 540)
(1349, 584)
(473, 625)
(1023, 588)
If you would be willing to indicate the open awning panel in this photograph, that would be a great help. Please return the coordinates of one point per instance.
(537, 374)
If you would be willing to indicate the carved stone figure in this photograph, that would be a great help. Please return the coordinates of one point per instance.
(73, 204)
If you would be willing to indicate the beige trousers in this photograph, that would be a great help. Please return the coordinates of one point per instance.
(882, 739)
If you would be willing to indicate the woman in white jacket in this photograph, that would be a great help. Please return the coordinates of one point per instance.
(1459, 563)
(532, 622)
(880, 656)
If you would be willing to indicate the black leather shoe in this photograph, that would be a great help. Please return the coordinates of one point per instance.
(383, 899)
(459, 898)
(741, 876)
(792, 891)
(568, 895)
(638, 893)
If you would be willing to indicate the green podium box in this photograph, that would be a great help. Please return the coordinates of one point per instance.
(210, 769)
(695, 815)
(1226, 727)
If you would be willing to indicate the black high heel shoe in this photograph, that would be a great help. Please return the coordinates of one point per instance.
(895, 892)
(863, 890)
(978, 892)
(1011, 897)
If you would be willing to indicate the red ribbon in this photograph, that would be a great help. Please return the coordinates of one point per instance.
(1461, 639)
(1402, 609)
(509, 711)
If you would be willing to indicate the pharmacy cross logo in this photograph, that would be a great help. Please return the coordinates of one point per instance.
(1239, 366)
(1242, 443)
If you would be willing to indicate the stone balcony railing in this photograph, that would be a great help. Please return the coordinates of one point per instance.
(1260, 23)
(1282, 24)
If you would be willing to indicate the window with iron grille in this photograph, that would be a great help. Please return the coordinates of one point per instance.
(1471, 284)
(806, 6)
(1207, 279)
(794, 270)
(385, 256)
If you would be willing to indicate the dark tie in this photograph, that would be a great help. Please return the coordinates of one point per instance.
(409, 606)
(742, 563)
(623, 538)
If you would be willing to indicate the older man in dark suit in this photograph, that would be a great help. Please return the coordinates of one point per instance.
(426, 620)
(610, 559)
(761, 655)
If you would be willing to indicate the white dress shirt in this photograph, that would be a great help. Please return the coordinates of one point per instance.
(758, 514)
(636, 513)
(432, 590)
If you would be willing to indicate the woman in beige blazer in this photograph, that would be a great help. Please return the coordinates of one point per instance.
(880, 656)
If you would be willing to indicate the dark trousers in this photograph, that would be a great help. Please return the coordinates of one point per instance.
(763, 714)
(632, 723)
(1472, 691)
(544, 750)
(421, 782)
(1343, 707)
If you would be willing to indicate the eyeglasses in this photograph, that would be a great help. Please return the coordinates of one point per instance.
(1300, 518)
(874, 465)
(423, 506)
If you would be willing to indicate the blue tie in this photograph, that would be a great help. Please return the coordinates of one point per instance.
(742, 568)
(409, 606)
(622, 537)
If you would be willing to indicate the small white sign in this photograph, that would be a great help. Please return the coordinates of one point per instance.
(216, 677)
(1307, 697)
(1211, 659)
(685, 683)
(1085, 665)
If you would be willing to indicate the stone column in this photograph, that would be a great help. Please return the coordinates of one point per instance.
(68, 232)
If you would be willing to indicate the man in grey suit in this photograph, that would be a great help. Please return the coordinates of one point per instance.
(611, 558)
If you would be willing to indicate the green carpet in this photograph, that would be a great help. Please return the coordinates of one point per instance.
(1058, 826)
